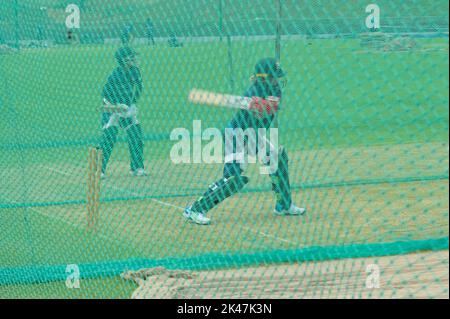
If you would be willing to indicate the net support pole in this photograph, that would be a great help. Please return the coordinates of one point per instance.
(230, 62)
(221, 20)
(17, 24)
(278, 31)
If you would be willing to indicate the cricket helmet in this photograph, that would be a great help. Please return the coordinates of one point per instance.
(269, 67)
(125, 53)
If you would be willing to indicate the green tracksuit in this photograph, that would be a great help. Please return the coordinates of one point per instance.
(124, 86)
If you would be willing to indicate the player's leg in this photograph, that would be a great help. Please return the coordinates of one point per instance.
(216, 193)
(231, 183)
(219, 191)
(135, 146)
(108, 140)
(282, 188)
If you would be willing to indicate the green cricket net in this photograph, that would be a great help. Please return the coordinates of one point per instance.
(364, 119)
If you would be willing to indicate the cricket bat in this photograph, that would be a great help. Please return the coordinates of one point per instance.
(219, 99)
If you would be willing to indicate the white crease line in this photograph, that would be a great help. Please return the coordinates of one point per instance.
(163, 203)
(248, 228)
(267, 235)
(76, 225)
(116, 188)
(56, 171)
(178, 207)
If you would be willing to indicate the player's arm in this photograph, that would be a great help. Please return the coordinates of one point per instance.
(109, 94)
(136, 84)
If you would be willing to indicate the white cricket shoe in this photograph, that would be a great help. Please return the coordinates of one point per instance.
(292, 211)
(196, 217)
(140, 172)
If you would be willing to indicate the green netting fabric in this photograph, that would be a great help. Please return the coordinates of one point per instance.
(360, 135)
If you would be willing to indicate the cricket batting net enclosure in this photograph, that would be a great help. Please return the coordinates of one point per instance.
(365, 121)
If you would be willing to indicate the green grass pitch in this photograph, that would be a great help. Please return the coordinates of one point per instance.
(348, 116)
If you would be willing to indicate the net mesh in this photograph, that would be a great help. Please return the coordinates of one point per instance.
(364, 120)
